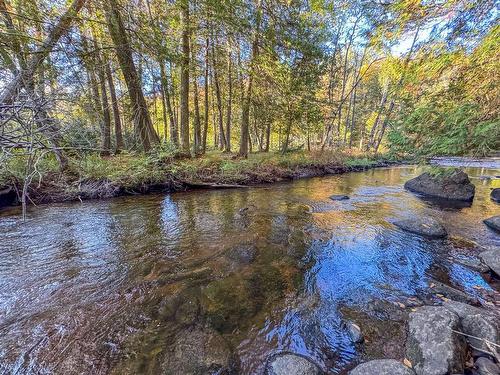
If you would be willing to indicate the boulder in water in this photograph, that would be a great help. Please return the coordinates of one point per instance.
(452, 186)
(291, 364)
(336, 197)
(382, 367)
(427, 227)
(433, 347)
(493, 223)
(495, 195)
(492, 259)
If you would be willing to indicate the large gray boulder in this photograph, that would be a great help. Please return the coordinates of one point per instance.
(492, 259)
(198, 351)
(382, 367)
(427, 227)
(291, 364)
(493, 223)
(432, 347)
(476, 322)
(454, 186)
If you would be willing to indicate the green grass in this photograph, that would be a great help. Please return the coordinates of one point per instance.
(131, 169)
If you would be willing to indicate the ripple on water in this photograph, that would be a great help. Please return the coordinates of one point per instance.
(107, 284)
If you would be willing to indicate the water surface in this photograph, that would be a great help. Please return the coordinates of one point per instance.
(110, 286)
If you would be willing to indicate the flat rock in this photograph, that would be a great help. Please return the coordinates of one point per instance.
(382, 367)
(291, 364)
(493, 223)
(198, 351)
(495, 195)
(492, 259)
(454, 186)
(340, 197)
(432, 347)
(452, 293)
(427, 227)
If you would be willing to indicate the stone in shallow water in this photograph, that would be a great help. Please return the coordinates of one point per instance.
(198, 351)
(492, 259)
(427, 227)
(493, 223)
(432, 347)
(382, 367)
(495, 195)
(354, 332)
(454, 186)
(291, 364)
(340, 197)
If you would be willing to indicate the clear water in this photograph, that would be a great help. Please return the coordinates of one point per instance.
(108, 286)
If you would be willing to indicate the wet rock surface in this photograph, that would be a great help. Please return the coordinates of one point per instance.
(382, 367)
(495, 195)
(427, 227)
(492, 259)
(291, 364)
(432, 347)
(200, 351)
(354, 332)
(485, 366)
(339, 197)
(454, 186)
(493, 223)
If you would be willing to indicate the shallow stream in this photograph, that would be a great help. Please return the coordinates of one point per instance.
(117, 286)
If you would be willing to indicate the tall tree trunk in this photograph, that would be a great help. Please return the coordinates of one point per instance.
(230, 98)
(174, 136)
(142, 121)
(222, 137)
(184, 94)
(25, 76)
(247, 99)
(106, 115)
(197, 119)
(205, 128)
(116, 110)
(268, 137)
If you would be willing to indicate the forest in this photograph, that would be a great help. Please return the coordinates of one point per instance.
(96, 89)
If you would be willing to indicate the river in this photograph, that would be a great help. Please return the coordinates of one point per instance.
(118, 286)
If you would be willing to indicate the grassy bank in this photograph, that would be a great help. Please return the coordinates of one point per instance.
(92, 176)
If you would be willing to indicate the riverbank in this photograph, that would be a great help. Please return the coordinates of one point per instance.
(94, 177)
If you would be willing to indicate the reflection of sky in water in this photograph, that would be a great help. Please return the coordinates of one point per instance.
(82, 256)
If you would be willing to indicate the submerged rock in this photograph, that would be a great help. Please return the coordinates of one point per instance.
(291, 364)
(427, 227)
(495, 195)
(338, 197)
(493, 223)
(454, 186)
(382, 367)
(354, 332)
(199, 351)
(432, 347)
(492, 259)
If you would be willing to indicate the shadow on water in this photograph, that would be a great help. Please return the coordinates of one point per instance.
(204, 281)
